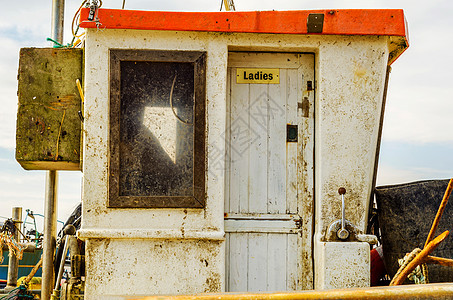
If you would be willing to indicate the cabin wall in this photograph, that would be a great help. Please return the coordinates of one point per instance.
(351, 80)
(161, 251)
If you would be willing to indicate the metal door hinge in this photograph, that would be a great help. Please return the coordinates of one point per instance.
(305, 106)
(315, 23)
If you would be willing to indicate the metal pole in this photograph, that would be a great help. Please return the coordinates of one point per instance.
(57, 20)
(63, 260)
(50, 206)
(13, 264)
(50, 233)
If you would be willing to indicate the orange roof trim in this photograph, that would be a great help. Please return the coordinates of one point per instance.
(390, 22)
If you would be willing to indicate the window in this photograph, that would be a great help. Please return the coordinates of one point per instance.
(157, 129)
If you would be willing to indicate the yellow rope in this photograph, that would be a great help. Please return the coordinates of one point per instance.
(420, 274)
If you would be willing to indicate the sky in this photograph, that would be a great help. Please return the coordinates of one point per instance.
(417, 140)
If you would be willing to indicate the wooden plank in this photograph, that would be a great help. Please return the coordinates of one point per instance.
(291, 148)
(238, 271)
(257, 262)
(276, 257)
(227, 137)
(261, 216)
(276, 179)
(239, 145)
(227, 261)
(292, 262)
(260, 226)
(48, 131)
(258, 154)
(306, 170)
(263, 60)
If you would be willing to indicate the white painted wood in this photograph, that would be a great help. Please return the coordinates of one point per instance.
(227, 260)
(277, 259)
(227, 140)
(291, 148)
(261, 226)
(276, 179)
(258, 159)
(306, 171)
(257, 262)
(264, 185)
(233, 216)
(239, 146)
(293, 255)
(263, 60)
(237, 273)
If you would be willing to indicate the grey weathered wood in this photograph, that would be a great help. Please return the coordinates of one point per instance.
(48, 131)
(265, 188)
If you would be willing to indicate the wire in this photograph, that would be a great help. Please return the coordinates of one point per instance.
(74, 33)
(44, 217)
(76, 16)
(8, 218)
(124, 2)
(171, 103)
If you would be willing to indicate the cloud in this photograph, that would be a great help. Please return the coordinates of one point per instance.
(419, 114)
(26, 189)
(389, 175)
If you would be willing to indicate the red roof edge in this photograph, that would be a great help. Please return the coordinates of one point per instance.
(390, 22)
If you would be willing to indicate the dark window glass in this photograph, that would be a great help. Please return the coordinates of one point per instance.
(157, 129)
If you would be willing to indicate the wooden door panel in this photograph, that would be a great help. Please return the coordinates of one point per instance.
(261, 262)
(263, 186)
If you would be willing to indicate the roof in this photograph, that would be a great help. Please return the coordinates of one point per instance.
(387, 22)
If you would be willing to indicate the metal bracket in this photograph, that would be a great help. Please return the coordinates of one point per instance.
(315, 23)
(305, 106)
(343, 230)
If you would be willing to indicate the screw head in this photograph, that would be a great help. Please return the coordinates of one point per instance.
(342, 234)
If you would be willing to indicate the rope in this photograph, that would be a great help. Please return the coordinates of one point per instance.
(420, 274)
(13, 246)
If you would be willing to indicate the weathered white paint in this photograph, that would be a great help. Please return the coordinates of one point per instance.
(260, 159)
(350, 73)
(345, 264)
(349, 99)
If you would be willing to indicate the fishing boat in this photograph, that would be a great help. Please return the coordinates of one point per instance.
(221, 151)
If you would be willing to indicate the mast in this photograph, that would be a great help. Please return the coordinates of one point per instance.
(50, 205)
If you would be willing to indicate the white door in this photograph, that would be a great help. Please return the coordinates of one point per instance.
(269, 175)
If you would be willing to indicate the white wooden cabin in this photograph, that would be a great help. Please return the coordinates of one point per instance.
(215, 144)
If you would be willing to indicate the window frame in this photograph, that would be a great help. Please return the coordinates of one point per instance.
(197, 199)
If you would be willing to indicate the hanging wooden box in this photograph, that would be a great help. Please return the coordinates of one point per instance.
(48, 131)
